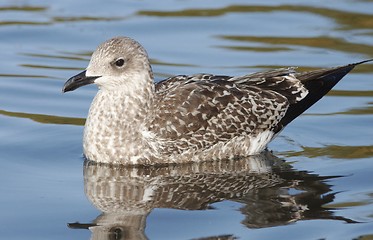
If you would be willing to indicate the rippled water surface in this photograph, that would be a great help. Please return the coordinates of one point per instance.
(317, 184)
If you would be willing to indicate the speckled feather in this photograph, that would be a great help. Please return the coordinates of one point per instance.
(200, 117)
(196, 112)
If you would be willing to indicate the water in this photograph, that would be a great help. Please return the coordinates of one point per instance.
(318, 184)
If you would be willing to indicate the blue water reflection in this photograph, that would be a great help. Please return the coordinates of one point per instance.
(265, 190)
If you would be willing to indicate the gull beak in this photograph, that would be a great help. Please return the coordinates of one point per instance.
(78, 81)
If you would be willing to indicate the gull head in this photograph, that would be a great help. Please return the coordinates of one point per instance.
(120, 62)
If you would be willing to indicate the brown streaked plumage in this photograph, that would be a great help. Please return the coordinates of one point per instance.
(269, 192)
(200, 117)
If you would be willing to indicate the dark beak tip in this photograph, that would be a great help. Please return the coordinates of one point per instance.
(77, 81)
(69, 85)
(64, 90)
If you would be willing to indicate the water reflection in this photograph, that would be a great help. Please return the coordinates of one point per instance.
(271, 191)
(335, 151)
(323, 42)
(48, 21)
(347, 20)
(46, 119)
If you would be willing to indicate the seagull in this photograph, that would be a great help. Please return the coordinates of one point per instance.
(188, 118)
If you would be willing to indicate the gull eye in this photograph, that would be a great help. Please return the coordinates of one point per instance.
(119, 62)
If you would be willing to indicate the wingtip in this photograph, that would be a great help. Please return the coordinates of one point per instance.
(361, 62)
(318, 82)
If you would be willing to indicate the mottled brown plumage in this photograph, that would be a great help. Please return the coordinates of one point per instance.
(202, 110)
(200, 117)
(269, 192)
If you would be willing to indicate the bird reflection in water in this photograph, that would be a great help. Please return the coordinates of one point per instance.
(271, 191)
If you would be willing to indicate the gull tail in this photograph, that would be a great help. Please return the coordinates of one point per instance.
(318, 82)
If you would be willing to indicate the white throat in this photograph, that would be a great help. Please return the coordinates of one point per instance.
(118, 119)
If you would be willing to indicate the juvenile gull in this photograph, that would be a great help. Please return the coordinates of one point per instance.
(133, 120)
